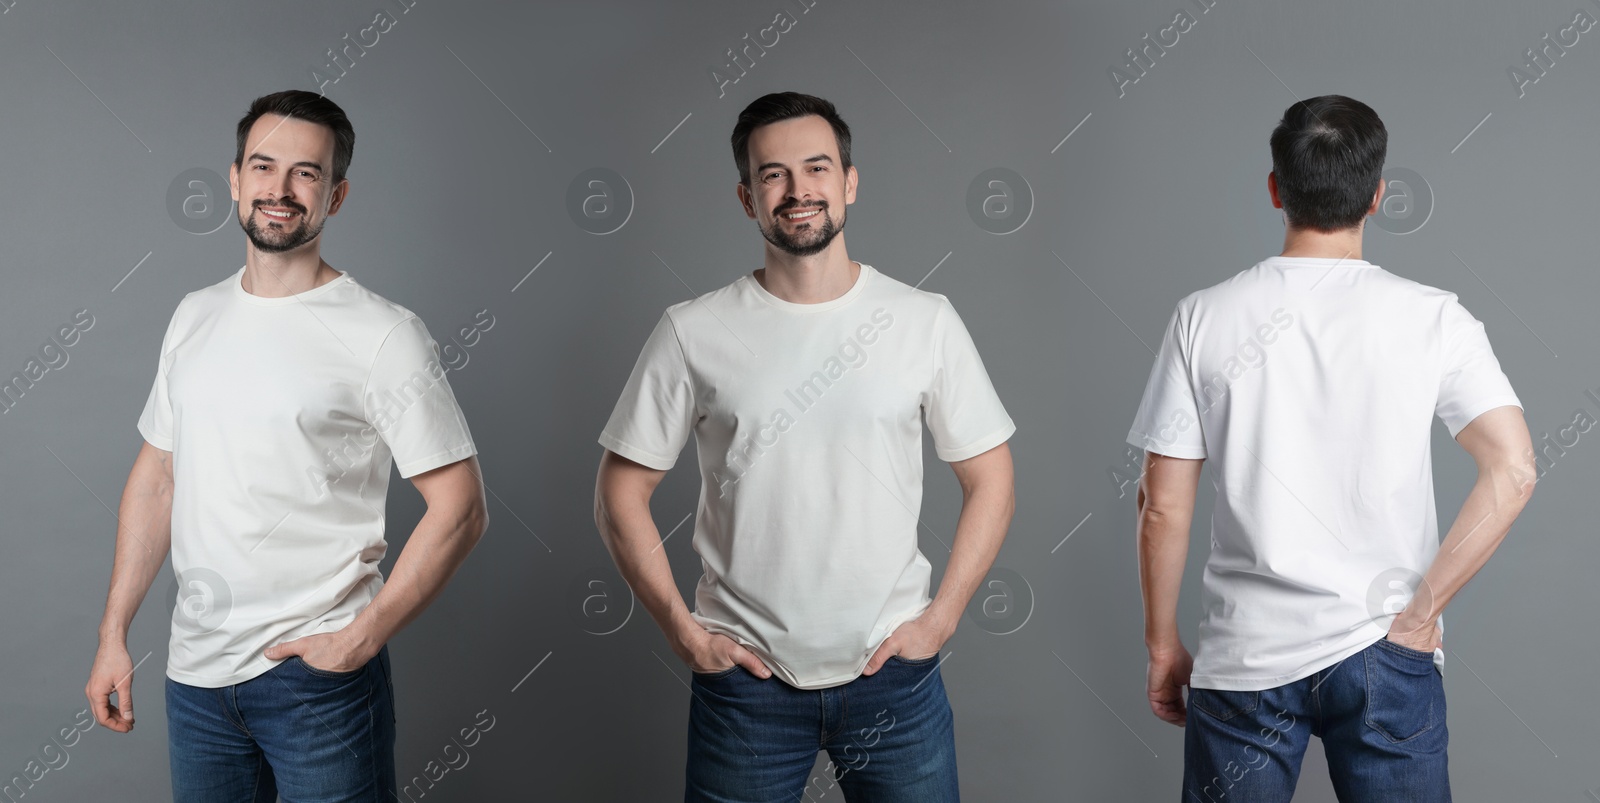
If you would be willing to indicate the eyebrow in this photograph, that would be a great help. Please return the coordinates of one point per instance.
(260, 157)
(821, 157)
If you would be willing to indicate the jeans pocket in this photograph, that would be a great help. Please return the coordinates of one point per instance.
(1224, 705)
(915, 661)
(1403, 691)
(328, 673)
(717, 675)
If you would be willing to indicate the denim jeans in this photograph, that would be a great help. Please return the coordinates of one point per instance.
(890, 737)
(307, 734)
(1380, 714)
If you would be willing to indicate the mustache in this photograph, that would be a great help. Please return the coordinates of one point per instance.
(791, 206)
(283, 203)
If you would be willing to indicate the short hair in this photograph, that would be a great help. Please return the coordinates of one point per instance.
(312, 108)
(780, 106)
(1327, 154)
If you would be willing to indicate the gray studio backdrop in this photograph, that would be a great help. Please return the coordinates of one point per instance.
(563, 173)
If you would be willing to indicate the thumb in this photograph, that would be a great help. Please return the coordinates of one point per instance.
(879, 657)
(125, 697)
(284, 650)
(750, 662)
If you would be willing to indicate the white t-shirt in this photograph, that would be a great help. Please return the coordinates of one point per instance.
(808, 423)
(1311, 384)
(282, 415)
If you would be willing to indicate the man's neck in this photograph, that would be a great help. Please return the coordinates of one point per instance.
(281, 275)
(809, 280)
(1344, 244)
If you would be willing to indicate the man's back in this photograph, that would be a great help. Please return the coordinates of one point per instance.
(1311, 384)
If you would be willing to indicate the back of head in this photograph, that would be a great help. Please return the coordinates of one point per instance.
(1327, 155)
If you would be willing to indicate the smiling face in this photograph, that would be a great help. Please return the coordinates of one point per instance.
(798, 191)
(284, 186)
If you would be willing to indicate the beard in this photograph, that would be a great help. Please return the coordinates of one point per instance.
(279, 240)
(806, 242)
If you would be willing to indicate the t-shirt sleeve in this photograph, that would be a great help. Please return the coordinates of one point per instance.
(1168, 421)
(409, 401)
(155, 423)
(963, 412)
(1471, 382)
(656, 412)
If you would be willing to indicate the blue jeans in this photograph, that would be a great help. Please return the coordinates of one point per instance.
(1380, 714)
(311, 735)
(890, 736)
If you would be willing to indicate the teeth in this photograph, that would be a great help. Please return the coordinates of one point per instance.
(801, 215)
(282, 215)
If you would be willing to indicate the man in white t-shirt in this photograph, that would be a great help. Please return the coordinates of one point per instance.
(806, 384)
(282, 394)
(1311, 381)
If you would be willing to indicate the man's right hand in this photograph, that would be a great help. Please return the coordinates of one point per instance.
(707, 652)
(112, 672)
(1168, 673)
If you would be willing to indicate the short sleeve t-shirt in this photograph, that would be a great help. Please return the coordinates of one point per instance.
(1311, 385)
(808, 422)
(282, 415)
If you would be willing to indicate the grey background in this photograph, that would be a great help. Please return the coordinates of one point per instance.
(473, 118)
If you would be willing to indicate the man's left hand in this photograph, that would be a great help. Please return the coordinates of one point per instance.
(919, 638)
(329, 652)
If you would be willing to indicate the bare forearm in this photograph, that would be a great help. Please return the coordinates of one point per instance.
(1163, 551)
(630, 535)
(1497, 498)
(981, 529)
(438, 546)
(144, 536)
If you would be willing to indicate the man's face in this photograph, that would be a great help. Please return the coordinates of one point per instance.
(283, 188)
(798, 191)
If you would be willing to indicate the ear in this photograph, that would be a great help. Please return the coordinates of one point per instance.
(851, 179)
(746, 200)
(340, 193)
(1377, 197)
(233, 181)
(1272, 190)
